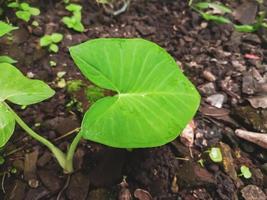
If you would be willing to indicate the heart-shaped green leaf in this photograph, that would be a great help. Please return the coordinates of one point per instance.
(7, 124)
(154, 100)
(5, 28)
(19, 89)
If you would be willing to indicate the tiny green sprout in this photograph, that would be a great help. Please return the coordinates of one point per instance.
(2, 160)
(13, 170)
(94, 93)
(201, 162)
(245, 172)
(74, 86)
(35, 23)
(74, 21)
(215, 154)
(24, 10)
(52, 63)
(51, 41)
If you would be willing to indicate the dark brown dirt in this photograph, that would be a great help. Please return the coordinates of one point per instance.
(215, 58)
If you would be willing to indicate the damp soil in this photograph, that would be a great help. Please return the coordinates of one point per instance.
(224, 65)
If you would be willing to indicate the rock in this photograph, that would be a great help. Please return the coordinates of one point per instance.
(207, 89)
(187, 136)
(239, 66)
(256, 138)
(252, 192)
(229, 163)
(78, 187)
(252, 117)
(258, 101)
(44, 159)
(50, 180)
(36, 194)
(192, 174)
(248, 83)
(257, 177)
(62, 125)
(30, 168)
(141, 194)
(98, 194)
(246, 13)
(216, 100)
(209, 76)
(17, 191)
(251, 38)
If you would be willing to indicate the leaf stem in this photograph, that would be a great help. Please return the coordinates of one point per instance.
(60, 156)
(71, 151)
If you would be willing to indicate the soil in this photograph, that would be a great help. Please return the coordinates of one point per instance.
(227, 67)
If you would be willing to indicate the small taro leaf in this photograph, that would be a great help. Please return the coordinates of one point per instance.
(7, 124)
(215, 154)
(45, 41)
(13, 5)
(18, 89)
(56, 37)
(154, 100)
(7, 59)
(245, 171)
(25, 6)
(218, 7)
(53, 48)
(202, 5)
(245, 28)
(78, 27)
(67, 21)
(77, 16)
(24, 15)
(5, 28)
(74, 7)
(215, 18)
(34, 11)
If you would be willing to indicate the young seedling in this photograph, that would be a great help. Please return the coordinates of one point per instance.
(245, 172)
(24, 10)
(114, 7)
(153, 103)
(215, 154)
(5, 29)
(74, 22)
(51, 41)
(216, 11)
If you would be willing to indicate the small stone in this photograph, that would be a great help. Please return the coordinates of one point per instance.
(75, 191)
(207, 89)
(17, 191)
(239, 66)
(50, 180)
(187, 135)
(258, 102)
(98, 194)
(252, 192)
(33, 183)
(142, 194)
(174, 186)
(209, 76)
(216, 100)
(248, 84)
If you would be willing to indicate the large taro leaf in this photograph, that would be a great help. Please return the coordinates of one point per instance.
(154, 100)
(18, 89)
(7, 124)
